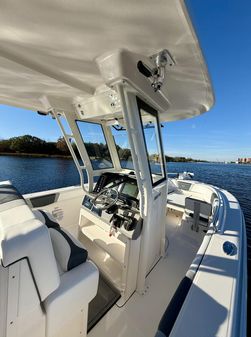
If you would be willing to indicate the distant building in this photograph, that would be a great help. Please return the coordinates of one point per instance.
(244, 160)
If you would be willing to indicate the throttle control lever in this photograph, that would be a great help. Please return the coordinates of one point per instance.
(113, 227)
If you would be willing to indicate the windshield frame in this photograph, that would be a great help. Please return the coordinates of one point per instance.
(84, 143)
(117, 150)
(150, 110)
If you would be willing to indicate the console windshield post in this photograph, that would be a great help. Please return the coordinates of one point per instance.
(141, 166)
(67, 138)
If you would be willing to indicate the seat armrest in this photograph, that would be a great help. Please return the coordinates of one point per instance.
(67, 307)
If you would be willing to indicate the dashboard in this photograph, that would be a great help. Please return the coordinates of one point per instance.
(123, 189)
(130, 190)
(126, 184)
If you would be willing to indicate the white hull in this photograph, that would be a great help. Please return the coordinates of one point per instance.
(217, 286)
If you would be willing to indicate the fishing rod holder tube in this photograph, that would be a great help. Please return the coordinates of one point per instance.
(122, 66)
(156, 75)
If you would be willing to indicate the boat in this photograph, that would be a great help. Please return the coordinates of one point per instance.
(128, 252)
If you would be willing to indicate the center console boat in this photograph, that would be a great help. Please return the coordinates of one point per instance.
(128, 252)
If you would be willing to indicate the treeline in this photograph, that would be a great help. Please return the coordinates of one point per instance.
(125, 154)
(32, 145)
(183, 160)
(28, 144)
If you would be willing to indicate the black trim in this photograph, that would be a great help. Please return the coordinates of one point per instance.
(78, 255)
(44, 200)
(144, 69)
(48, 222)
(42, 113)
(172, 311)
(79, 120)
(138, 229)
(9, 193)
(147, 108)
(118, 128)
(92, 321)
(130, 181)
(167, 322)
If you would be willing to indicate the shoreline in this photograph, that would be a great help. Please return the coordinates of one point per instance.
(35, 155)
(44, 155)
(61, 156)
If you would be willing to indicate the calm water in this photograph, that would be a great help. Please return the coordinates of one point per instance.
(38, 174)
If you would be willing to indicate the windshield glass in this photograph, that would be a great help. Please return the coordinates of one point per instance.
(96, 145)
(151, 131)
(153, 147)
(120, 137)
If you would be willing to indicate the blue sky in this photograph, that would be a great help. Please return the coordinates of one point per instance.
(224, 133)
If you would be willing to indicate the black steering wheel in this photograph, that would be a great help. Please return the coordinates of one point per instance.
(106, 198)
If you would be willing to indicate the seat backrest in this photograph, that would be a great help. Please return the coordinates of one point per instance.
(199, 210)
(69, 252)
(204, 208)
(23, 236)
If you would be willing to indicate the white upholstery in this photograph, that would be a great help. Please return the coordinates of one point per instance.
(69, 252)
(62, 248)
(23, 236)
(41, 217)
(19, 303)
(35, 300)
(176, 199)
(67, 307)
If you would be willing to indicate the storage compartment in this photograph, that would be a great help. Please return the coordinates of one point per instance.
(116, 256)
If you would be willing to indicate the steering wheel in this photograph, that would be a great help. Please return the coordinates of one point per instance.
(106, 198)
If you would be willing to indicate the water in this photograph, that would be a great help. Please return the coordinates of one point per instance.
(39, 174)
(234, 178)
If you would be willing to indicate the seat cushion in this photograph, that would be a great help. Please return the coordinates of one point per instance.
(46, 218)
(23, 236)
(69, 252)
(9, 193)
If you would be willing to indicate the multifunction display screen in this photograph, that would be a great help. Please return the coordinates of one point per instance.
(130, 189)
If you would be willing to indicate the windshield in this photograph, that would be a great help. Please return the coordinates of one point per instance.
(120, 137)
(153, 146)
(151, 131)
(96, 145)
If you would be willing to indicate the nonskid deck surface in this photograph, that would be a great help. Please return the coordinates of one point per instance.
(106, 297)
(140, 316)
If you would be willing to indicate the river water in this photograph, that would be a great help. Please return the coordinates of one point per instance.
(39, 174)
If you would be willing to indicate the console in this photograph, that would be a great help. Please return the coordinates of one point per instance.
(112, 235)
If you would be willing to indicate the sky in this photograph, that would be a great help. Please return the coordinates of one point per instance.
(223, 133)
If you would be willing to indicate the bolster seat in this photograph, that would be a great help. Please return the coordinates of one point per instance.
(67, 307)
(69, 252)
(46, 281)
